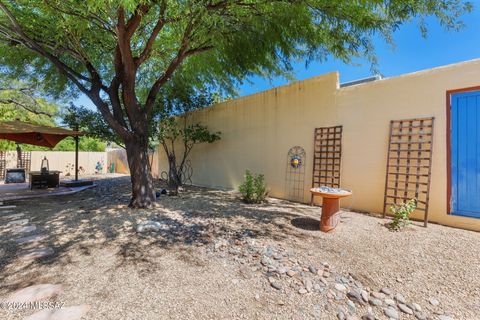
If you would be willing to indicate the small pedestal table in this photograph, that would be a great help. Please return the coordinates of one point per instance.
(330, 206)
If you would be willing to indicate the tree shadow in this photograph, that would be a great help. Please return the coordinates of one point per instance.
(74, 226)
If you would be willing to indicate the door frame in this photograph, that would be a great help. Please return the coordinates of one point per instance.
(449, 94)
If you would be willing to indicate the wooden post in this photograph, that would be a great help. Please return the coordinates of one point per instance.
(76, 154)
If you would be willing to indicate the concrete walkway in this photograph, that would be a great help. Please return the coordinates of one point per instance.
(21, 191)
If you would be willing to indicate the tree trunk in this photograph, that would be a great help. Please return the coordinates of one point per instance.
(143, 192)
(174, 181)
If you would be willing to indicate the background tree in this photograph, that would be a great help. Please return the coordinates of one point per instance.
(88, 121)
(177, 135)
(19, 101)
(123, 53)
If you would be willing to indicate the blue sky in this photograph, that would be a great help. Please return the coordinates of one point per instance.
(412, 52)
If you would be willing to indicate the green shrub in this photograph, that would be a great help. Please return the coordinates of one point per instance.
(253, 189)
(401, 214)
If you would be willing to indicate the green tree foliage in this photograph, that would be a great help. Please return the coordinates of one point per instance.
(85, 144)
(88, 121)
(176, 129)
(123, 53)
(21, 102)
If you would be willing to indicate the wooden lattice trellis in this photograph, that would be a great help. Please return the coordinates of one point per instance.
(25, 161)
(409, 163)
(327, 157)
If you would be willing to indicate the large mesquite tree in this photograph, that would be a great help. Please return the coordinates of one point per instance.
(123, 53)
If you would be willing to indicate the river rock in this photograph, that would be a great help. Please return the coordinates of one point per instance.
(386, 290)
(405, 309)
(364, 295)
(317, 287)
(282, 270)
(308, 285)
(291, 273)
(391, 313)
(302, 291)
(433, 301)
(400, 298)
(277, 257)
(375, 302)
(368, 316)
(351, 307)
(416, 307)
(378, 295)
(355, 296)
(276, 285)
(149, 225)
(340, 287)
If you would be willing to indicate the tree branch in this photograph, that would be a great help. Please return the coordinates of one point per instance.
(113, 93)
(91, 17)
(153, 36)
(127, 64)
(182, 54)
(135, 20)
(93, 93)
(24, 106)
(152, 94)
(33, 45)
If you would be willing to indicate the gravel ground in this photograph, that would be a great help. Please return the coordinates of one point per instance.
(214, 257)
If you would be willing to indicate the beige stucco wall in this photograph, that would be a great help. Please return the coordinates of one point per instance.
(258, 130)
(63, 161)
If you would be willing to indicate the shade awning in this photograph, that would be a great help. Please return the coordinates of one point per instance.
(38, 135)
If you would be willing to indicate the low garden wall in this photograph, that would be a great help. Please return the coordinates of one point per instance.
(64, 161)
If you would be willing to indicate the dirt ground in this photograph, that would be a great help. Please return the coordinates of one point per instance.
(215, 257)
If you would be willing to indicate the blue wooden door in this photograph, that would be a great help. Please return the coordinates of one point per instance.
(465, 149)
